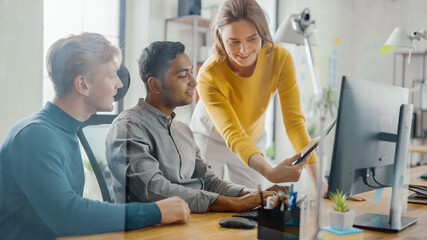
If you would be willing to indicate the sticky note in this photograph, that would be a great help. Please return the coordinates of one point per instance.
(386, 49)
(337, 41)
(377, 195)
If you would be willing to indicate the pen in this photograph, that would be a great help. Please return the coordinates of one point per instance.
(279, 200)
(293, 201)
(301, 200)
(286, 202)
(262, 197)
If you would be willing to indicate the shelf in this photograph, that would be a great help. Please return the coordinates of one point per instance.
(420, 110)
(418, 148)
(199, 28)
(201, 22)
(419, 53)
(418, 137)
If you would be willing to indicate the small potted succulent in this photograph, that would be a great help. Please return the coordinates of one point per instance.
(340, 218)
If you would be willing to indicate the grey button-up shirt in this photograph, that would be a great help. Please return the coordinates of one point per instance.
(152, 157)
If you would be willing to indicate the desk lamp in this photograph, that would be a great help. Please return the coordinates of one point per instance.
(298, 29)
(403, 38)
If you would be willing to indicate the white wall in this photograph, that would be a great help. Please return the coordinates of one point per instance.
(362, 27)
(21, 56)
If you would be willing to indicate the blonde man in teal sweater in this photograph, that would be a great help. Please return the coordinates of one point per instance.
(41, 171)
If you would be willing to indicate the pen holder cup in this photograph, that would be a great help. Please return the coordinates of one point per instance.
(276, 224)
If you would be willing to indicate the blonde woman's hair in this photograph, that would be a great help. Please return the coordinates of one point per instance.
(78, 55)
(236, 10)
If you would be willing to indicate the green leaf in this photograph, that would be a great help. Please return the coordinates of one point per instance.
(340, 200)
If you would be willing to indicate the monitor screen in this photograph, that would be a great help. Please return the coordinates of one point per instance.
(360, 160)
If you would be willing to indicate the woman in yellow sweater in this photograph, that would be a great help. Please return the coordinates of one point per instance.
(236, 85)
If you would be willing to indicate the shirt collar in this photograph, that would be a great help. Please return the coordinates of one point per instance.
(165, 119)
(64, 120)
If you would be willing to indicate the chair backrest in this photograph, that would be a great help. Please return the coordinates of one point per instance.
(92, 135)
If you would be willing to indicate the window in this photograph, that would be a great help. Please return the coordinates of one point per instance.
(65, 17)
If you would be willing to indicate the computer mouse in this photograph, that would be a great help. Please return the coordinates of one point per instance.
(237, 222)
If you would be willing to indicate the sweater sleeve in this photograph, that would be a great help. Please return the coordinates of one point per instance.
(290, 102)
(224, 118)
(39, 172)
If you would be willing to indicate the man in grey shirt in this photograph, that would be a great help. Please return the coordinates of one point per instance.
(152, 156)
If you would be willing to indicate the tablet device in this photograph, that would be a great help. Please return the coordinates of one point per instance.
(308, 149)
(313, 144)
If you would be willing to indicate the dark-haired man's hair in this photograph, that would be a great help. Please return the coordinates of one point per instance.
(154, 60)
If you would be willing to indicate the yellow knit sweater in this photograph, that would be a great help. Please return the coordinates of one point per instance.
(237, 105)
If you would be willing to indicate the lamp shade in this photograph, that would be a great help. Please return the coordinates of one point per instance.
(398, 38)
(286, 32)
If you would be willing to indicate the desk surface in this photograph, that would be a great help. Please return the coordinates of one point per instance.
(205, 226)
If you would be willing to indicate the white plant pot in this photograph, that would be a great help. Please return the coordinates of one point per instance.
(341, 221)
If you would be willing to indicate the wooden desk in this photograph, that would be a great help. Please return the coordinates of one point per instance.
(205, 226)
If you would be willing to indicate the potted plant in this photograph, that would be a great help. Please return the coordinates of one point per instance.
(340, 218)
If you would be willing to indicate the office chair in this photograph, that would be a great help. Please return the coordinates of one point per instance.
(92, 134)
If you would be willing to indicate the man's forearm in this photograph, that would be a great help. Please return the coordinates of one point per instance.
(222, 204)
(238, 204)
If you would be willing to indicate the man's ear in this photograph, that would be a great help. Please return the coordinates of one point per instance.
(80, 84)
(155, 85)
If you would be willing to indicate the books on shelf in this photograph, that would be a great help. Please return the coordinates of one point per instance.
(328, 233)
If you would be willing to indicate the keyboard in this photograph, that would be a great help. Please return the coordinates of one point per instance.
(251, 214)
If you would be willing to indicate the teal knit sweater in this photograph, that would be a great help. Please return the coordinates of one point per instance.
(42, 180)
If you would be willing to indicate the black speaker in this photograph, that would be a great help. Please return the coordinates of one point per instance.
(189, 7)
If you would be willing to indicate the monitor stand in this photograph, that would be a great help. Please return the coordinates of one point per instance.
(394, 222)
(378, 222)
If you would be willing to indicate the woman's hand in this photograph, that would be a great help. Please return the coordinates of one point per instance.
(283, 172)
(286, 172)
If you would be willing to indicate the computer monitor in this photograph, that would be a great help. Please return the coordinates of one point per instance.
(371, 146)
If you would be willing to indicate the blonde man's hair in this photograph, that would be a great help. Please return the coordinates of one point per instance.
(236, 10)
(78, 55)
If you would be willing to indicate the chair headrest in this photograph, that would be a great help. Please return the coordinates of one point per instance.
(124, 76)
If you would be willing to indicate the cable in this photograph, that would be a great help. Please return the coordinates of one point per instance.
(365, 176)
(375, 180)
